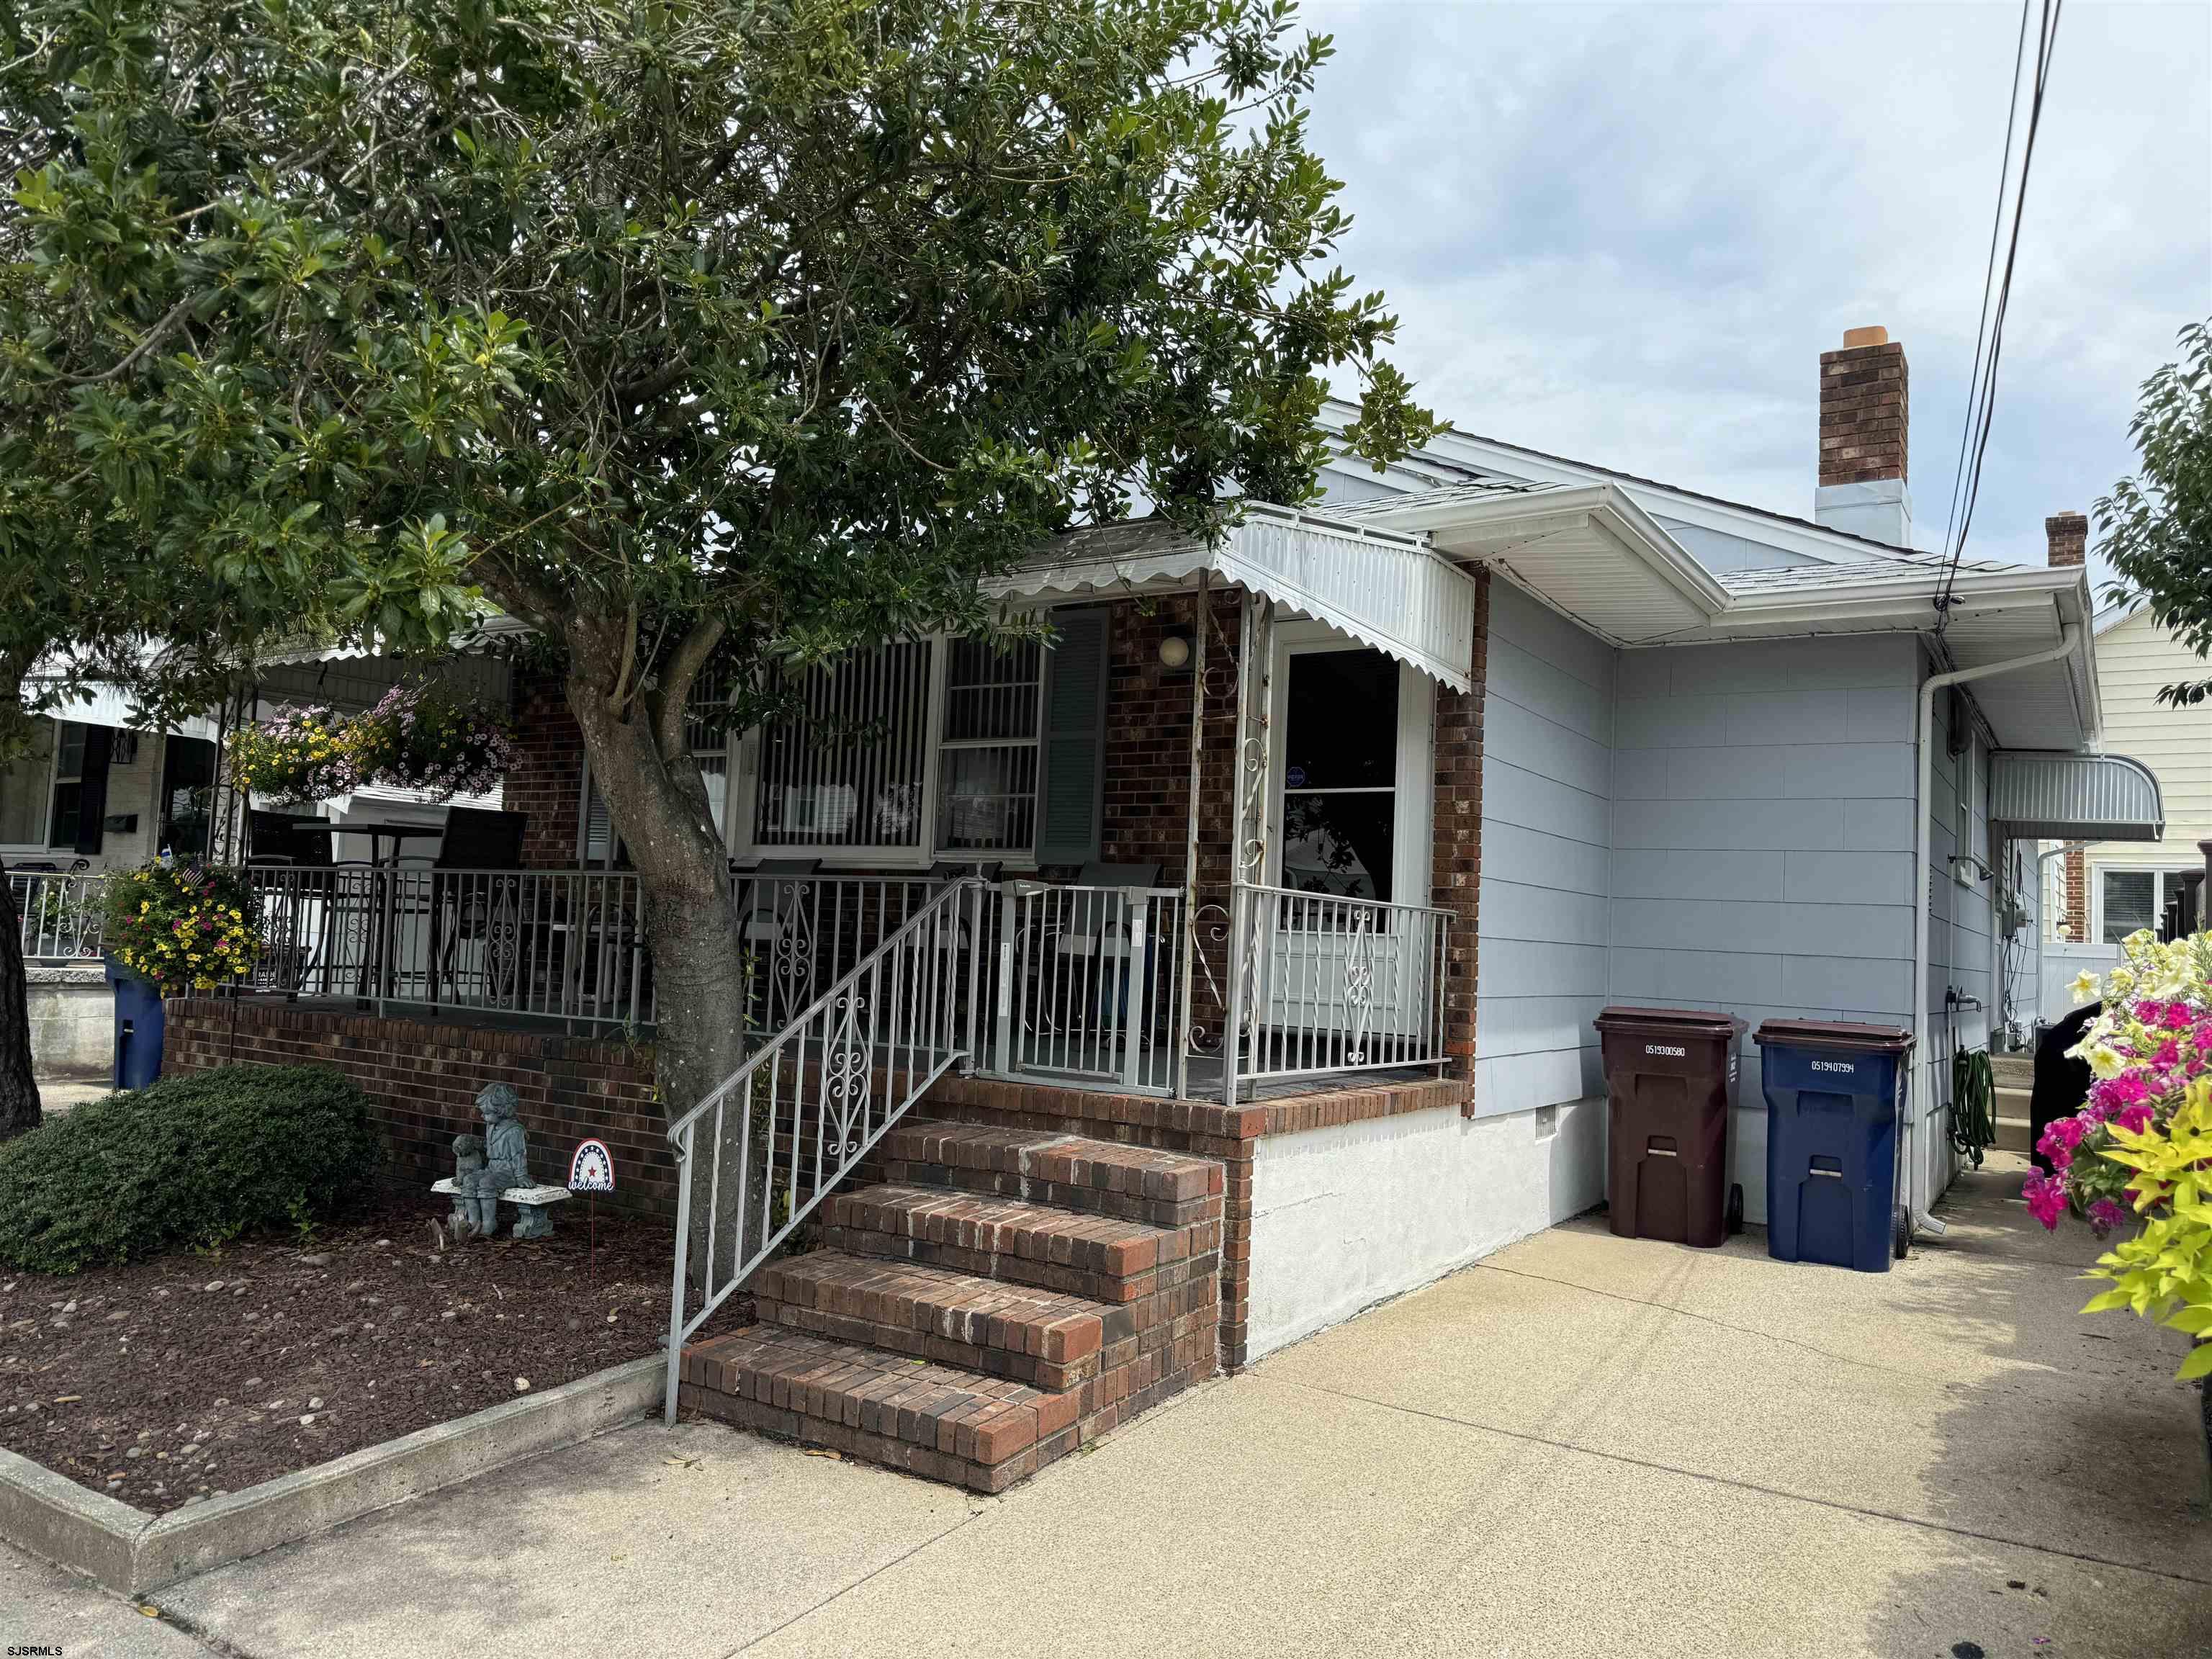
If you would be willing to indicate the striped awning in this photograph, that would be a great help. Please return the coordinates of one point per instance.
(2050, 795)
(1384, 588)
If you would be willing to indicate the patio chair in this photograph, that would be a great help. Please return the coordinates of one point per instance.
(470, 908)
(308, 913)
(1094, 933)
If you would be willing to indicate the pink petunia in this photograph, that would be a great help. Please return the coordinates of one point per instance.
(2047, 1199)
(2135, 1119)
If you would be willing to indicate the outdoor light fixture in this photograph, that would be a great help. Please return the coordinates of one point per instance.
(1174, 653)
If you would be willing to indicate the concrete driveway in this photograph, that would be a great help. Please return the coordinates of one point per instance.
(1582, 1446)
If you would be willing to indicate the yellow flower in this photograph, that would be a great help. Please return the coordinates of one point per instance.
(2106, 1062)
(2084, 987)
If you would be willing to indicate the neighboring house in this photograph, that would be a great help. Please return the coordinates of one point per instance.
(95, 789)
(1399, 792)
(2110, 889)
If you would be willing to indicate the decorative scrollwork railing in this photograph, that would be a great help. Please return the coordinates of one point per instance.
(773, 1139)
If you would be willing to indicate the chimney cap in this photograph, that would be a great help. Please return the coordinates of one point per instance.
(1876, 335)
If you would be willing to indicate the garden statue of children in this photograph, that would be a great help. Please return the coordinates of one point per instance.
(507, 1159)
(468, 1158)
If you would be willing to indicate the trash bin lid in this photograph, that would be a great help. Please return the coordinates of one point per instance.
(1834, 1035)
(1683, 1022)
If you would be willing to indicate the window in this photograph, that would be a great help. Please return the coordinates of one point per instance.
(1339, 779)
(69, 787)
(850, 768)
(2131, 899)
(988, 760)
(187, 794)
(24, 786)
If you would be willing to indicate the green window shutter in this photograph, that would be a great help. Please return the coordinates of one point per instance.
(1071, 790)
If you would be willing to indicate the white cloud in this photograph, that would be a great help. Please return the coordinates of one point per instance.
(1625, 236)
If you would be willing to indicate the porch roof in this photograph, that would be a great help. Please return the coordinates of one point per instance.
(2051, 796)
(1387, 589)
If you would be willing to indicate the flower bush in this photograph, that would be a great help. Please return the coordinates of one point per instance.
(301, 755)
(2140, 1150)
(181, 926)
(417, 738)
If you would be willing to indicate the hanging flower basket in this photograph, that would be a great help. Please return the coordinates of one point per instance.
(181, 926)
(302, 754)
(417, 738)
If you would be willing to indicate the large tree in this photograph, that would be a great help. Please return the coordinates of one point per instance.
(728, 332)
(2157, 526)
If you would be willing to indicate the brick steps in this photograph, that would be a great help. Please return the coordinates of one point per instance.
(1103, 1258)
(1004, 1296)
(1036, 1336)
(1062, 1171)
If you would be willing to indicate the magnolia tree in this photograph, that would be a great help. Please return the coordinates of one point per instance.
(707, 337)
(2136, 1159)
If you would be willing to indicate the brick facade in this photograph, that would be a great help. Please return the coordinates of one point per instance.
(546, 781)
(422, 1078)
(1457, 841)
(1864, 408)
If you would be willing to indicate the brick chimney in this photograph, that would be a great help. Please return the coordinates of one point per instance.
(1863, 445)
(2067, 536)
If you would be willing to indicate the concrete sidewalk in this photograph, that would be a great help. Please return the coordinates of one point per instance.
(1584, 1446)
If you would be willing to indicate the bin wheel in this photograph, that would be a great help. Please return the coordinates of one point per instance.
(1736, 1208)
(1904, 1229)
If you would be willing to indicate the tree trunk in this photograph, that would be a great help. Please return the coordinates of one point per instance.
(19, 1093)
(698, 954)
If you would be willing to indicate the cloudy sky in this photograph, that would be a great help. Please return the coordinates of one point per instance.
(1626, 234)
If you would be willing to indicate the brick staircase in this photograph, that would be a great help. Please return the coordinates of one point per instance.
(1001, 1296)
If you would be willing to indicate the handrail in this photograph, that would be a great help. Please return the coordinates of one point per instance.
(817, 1097)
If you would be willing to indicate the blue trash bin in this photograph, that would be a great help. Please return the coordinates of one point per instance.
(138, 1027)
(1833, 1093)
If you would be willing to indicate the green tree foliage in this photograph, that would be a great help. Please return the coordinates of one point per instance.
(735, 332)
(2157, 527)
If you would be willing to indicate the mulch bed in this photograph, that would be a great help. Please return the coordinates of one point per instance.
(196, 1374)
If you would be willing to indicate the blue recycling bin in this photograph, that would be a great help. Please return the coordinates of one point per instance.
(1832, 1091)
(138, 1027)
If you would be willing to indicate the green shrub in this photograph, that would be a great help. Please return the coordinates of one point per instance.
(193, 1160)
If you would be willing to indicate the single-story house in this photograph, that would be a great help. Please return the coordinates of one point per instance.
(1311, 856)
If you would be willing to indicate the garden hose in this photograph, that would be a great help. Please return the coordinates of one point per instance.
(1973, 1124)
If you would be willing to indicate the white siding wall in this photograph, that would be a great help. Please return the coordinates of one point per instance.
(2135, 658)
(1547, 777)
(1763, 840)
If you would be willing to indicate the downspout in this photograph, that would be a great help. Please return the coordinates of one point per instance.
(1917, 1108)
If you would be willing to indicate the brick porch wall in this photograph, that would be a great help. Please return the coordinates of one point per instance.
(1200, 1128)
(422, 1078)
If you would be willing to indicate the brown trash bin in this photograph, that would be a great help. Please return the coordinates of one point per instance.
(1669, 1082)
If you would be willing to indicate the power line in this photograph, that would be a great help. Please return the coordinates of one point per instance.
(1982, 399)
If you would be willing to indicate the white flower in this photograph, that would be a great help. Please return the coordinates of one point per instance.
(2084, 987)
(2106, 1062)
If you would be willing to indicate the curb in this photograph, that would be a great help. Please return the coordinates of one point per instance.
(131, 1551)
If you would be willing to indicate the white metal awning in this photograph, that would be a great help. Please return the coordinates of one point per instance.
(1386, 589)
(2045, 795)
(1589, 552)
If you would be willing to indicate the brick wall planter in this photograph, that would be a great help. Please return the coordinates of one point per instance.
(422, 1078)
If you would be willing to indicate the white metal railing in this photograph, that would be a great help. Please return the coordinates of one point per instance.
(804, 931)
(59, 914)
(772, 1140)
(1336, 984)
(1084, 983)
(565, 944)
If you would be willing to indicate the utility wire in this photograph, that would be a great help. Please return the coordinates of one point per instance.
(1982, 397)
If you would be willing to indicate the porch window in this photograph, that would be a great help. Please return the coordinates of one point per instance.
(850, 769)
(1340, 774)
(988, 761)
